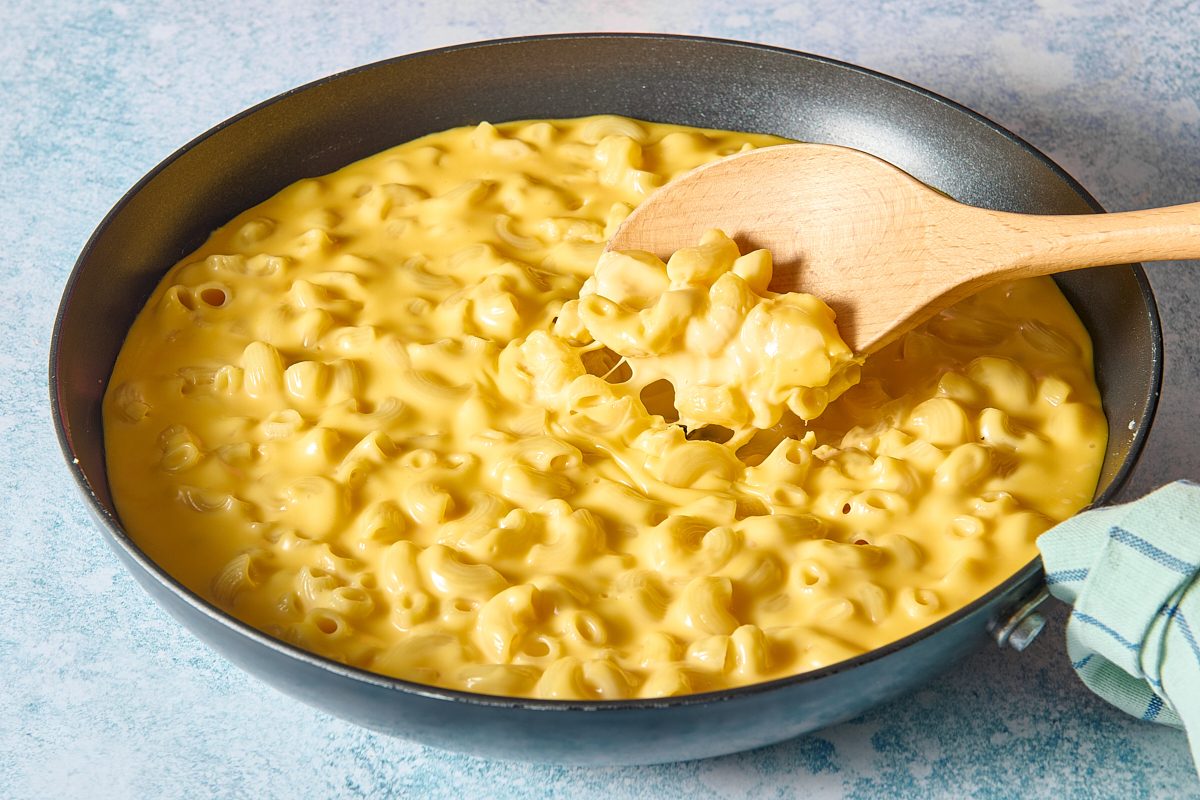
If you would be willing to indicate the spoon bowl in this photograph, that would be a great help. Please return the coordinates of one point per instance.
(885, 251)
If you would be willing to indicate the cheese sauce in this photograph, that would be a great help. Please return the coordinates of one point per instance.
(398, 416)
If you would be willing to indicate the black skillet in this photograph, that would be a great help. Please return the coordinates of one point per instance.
(317, 128)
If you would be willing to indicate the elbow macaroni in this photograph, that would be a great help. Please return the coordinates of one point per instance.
(735, 354)
(405, 416)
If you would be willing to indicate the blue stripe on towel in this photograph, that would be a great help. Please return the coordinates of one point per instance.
(1090, 620)
(1156, 554)
(1066, 575)
(1152, 708)
(1186, 630)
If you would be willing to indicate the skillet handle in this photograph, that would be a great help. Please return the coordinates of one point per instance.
(1020, 625)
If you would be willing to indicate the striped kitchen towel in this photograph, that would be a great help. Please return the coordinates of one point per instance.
(1133, 574)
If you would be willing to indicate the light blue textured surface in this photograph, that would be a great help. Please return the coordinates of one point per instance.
(104, 696)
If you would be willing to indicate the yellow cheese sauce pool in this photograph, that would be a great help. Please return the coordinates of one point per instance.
(397, 416)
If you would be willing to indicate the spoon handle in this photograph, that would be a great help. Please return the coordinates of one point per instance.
(1045, 244)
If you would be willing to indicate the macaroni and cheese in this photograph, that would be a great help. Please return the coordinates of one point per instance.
(398, 415)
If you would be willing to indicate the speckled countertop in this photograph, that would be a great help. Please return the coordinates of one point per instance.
(104, 696)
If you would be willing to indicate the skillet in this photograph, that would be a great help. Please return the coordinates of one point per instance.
(320, 127)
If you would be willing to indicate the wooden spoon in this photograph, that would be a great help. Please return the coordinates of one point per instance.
(884, 250)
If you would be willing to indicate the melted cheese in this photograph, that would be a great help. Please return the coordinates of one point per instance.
(397, 416)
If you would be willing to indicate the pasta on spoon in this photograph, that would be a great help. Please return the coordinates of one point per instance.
(736, 354)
